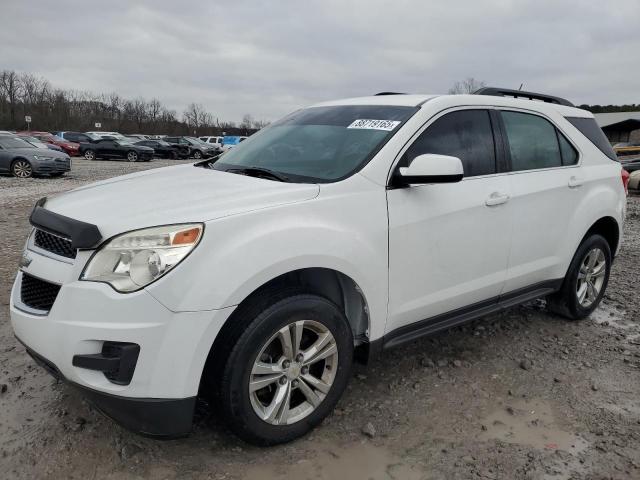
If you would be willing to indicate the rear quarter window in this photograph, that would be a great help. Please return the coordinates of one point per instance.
(590, 129)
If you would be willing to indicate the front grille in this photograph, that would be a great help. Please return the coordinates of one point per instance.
(38, 294)
(53, 243)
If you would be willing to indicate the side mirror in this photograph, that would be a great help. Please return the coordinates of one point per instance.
(430, 168)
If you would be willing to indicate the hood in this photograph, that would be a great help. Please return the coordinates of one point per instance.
(178, 194)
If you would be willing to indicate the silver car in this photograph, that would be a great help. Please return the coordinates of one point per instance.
(23, 160)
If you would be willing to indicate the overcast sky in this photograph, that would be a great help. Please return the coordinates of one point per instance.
(269, 58)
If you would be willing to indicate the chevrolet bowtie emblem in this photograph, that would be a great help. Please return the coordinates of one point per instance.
(25, 260)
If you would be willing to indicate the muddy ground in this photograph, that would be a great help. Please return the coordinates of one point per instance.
(519, 395)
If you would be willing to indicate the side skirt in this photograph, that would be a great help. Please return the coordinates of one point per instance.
(423, 328)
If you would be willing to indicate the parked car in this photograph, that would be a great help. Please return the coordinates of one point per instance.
(627, 148)
(77, 137)
(70, 148)
(213, 141)
(197, 148)
(338, 232)
(136, 137)
(231, 141)
(23, 160)
(634, 181)
(109, 149)
(40, 144)
(630, 164)
(164, 149)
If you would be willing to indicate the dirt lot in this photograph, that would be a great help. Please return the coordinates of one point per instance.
(520, 395)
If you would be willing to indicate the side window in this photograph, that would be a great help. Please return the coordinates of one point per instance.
(465, 134)
(533, 142)
(569, 154)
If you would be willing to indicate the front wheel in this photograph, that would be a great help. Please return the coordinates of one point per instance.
(287, 368)
(90, 155)
(22, 169)
(586, 280)
(132, 156)
(197, 154)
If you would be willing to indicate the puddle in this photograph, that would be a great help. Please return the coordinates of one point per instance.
(329, 462)
(530, 423)
(614, 318)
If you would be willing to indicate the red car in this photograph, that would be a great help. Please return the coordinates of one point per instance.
(70, 148)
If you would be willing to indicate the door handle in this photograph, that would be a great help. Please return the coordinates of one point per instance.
(575, 182)
(496, 198)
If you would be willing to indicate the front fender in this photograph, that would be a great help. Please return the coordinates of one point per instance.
(240, 253)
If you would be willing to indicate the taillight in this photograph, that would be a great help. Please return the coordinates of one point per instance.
(625, 181)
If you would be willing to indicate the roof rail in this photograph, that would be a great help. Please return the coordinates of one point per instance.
(508, 92)
(389, 93)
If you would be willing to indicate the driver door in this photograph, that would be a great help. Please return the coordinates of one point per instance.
(449, 243)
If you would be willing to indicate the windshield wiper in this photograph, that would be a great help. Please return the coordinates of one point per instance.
(259, 172)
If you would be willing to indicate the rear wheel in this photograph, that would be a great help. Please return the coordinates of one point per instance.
(285, 368)
(21, 168)
(90, 155)
(197, 154)
(174, 155)
(132, 156)
(586, 280)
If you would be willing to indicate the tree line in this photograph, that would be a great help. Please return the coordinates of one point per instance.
(51, 109)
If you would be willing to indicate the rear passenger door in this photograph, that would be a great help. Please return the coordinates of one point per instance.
(546, 186)
(449, 243)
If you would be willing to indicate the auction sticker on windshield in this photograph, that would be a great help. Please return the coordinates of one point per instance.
(369, 124)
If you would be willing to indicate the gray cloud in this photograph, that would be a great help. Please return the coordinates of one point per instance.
(268, 58)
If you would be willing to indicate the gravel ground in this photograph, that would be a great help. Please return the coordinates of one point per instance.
(519, 395)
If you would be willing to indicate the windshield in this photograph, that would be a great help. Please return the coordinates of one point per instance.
(34, 141)
(318, 144)
(194, 141)
(14, 142)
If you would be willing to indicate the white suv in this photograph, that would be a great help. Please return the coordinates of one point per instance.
(343, 229)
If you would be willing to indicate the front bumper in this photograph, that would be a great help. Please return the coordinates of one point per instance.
(152, 417)
(47, 167)
(173, 345)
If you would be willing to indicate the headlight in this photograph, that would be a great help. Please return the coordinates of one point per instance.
(41, 157)
(133, 260)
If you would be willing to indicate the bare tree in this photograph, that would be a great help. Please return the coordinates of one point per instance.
(468, 85)
(195, 116)
(57, 109)
(10, 90)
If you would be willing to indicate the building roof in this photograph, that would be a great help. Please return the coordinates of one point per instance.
(608, 119)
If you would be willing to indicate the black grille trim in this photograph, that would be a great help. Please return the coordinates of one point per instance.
(54, 244)
(38, 294)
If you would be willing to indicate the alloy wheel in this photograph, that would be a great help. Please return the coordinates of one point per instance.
(22, 169)
(197, 155)
(591, 277)
(293, 372)
(132, 156)
(89, 155)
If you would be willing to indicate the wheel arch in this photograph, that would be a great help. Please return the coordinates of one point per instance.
(18, 158)
(331, 284)
(608, 228)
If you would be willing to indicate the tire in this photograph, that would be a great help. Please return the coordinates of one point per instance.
(89, 154)
(197, 154)
(132, 156)
(569, 301)
(257, 330)
(21, 168)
